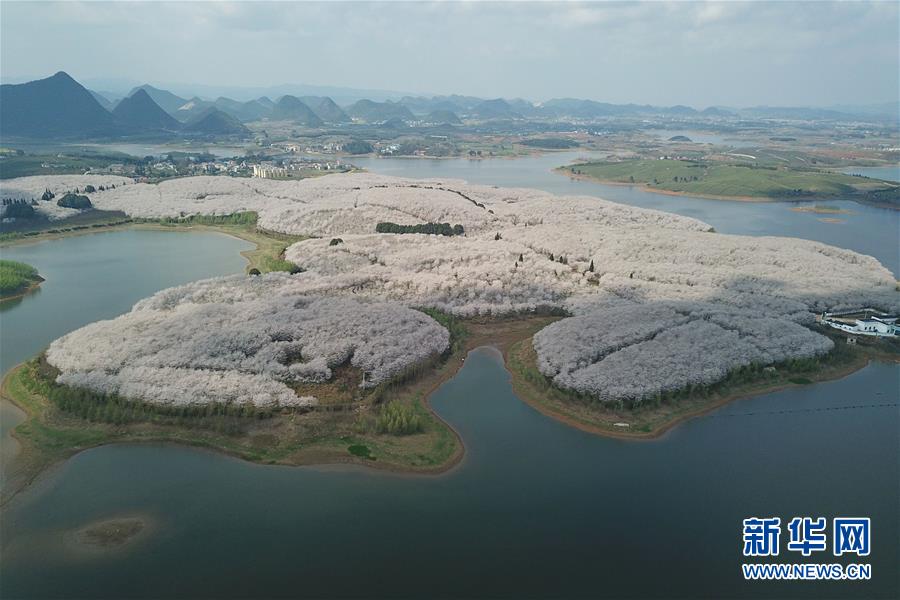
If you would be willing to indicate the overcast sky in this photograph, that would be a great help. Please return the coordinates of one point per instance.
(699, 54)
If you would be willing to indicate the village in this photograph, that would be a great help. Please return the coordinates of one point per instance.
(274, 166)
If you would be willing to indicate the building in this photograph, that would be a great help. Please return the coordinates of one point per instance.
(867, 322)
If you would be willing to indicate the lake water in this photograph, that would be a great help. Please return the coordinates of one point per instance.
(99, 276)
(886, 173)
(536, 509)
(866, 229)
(704, 137)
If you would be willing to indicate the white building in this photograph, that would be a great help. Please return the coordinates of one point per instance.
(881, 325)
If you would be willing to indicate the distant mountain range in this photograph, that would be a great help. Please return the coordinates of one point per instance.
(60, 107)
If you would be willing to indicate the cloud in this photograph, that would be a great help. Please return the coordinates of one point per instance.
(734, 53)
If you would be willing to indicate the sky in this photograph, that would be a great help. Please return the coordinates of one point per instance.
(693, 53)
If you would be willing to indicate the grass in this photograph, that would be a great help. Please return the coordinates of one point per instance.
(22, 165)
(16, 277)
(706, 178)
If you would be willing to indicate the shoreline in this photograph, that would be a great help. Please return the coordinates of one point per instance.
(35, 284)
(31, 461)
(564, 170)
(691, 408)
(507, 336)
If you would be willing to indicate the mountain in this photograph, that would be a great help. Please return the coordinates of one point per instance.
(585, 109)
(714, 111)
(798, 113)
(326, 109)
(266, 101)
(442, 117)
(680, 110)
(252, 110)
(102, 100)
(213, 121)
(524, 108)
(139, 112)
(57, 106)
(192, 108)
(377, 112)
(291, 108)
(494, 109)
(166, 100)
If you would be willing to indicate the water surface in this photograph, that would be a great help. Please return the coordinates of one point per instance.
(94, 277)
(537, 509)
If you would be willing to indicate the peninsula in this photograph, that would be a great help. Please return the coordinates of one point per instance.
(744, 178)
(615, 319)
(17, 279)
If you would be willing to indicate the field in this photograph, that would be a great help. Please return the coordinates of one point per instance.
(22, 165)
(16, 277)
(708, 178)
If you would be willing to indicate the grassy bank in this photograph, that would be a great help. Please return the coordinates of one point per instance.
(390, 427)
(737, 181)
(267, 256)
(653, 418)
(17, 278)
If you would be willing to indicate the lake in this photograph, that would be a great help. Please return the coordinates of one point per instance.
(881, 225)
(99, 276)
(704, 137)
(536, 509)
(886, 173)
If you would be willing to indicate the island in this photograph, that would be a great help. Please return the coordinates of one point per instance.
(738, 177)
(615, 319)
(17, 279)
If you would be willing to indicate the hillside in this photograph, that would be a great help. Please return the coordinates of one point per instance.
(374, 112)
(140, 112)
(192, 108)
(442, 117)
(291, 108)
(494, 109)
(215, 122)
(165, 99)
(252, 110)
(57, 106)
(326, 109)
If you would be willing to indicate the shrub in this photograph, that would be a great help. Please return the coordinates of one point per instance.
(71, 200)
(398, 419)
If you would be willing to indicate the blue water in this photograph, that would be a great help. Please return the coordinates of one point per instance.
(537, 509)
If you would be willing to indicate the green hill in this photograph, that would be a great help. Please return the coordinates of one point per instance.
(57, 107)
(326, 109)
(139, 112)
(165, 99)
(215, 122)
(291, 108)
(376, 112)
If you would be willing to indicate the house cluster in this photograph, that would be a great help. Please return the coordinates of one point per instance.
(296, 168)
(868, 322)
